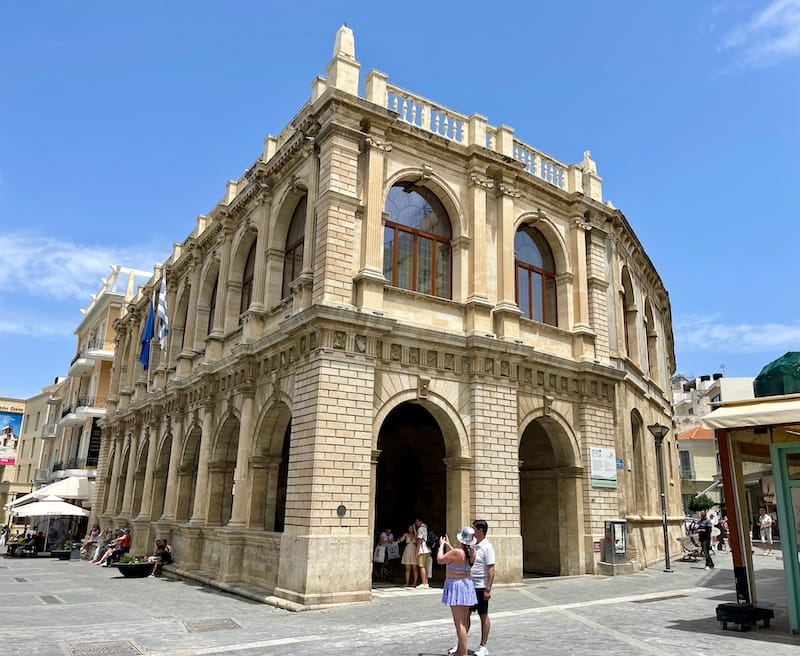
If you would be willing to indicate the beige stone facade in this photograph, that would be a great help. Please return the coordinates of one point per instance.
(398, 311)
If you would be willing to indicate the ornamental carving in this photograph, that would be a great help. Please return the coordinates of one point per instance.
(433, 358)
(395, 352)
(339, 340)
(488, 366)
(360, 344)
(413, 355)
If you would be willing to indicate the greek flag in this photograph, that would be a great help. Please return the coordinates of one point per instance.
(162, 325)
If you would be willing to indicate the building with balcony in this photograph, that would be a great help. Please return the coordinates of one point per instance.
(697, 450)
(398, 312)
(81, 401)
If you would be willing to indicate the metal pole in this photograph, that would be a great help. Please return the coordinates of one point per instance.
(660, 459)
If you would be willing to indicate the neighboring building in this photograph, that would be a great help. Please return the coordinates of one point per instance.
(12, 412)
(699, 465)
(80, 401)
(692, 400)
(398, 311)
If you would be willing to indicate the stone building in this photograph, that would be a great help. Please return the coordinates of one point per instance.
(398, 311)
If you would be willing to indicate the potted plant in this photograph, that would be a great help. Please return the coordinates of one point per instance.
(134, 567)
(64, 553)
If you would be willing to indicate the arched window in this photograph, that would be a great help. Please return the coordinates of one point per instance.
(293, 252)
(417, 254)
(629, 314)
(535, 277)
(247, 281)
(212, 307)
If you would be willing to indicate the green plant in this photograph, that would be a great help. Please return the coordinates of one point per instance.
(700, 502)
(131, 560)
(67, 546)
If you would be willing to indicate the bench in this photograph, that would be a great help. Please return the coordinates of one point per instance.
(691, 549)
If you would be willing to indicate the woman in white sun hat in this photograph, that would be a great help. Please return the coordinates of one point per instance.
(459, 591)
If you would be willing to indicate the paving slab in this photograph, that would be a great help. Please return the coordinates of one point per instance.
(71, 608)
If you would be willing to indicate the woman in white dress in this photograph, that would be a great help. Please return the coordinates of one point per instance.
(409, 558)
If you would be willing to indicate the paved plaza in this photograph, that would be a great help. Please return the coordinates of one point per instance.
(72, 608)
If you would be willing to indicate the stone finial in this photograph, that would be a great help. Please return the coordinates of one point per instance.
(345, 45)
(588, 164)
(343, 69)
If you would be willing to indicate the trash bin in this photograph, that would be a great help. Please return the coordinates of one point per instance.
(615, 543)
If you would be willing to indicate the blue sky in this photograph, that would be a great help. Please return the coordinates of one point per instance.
(121, 122)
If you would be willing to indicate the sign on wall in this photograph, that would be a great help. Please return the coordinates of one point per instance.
(604, 467)
(11, 413)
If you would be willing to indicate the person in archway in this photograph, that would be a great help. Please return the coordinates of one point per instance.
(423, 552)
(459, 590)
(409, 559)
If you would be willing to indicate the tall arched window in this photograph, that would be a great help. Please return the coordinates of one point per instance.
(212, 307)
(629, 314)
(293, 252)
(417, 254)
(535, 278)
(247, 281)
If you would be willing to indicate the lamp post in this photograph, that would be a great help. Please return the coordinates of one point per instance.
(659, 432)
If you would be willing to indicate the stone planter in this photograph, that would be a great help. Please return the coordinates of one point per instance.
(61, 554)
(135, 570)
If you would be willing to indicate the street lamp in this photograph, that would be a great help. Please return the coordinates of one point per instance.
(659, 432)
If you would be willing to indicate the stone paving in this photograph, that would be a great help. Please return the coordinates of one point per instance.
(71, 608)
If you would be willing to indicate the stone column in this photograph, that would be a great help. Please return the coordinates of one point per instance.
(478, 308)
(506, 311)
(151, 431)
(313, 527)
(217, 335)
(600, 319)
(259, 300)
(200, 510)
(117, 442)
(263, 498)
(459, 473)
(127, 499)
(370, 279)
(171, 499)
(241, 474)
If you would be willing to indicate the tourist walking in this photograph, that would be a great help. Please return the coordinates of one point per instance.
(459, 590)
(765, 527)
(704, 527)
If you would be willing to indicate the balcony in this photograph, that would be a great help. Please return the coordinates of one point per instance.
(80, 366)
(49, 431)
(74, 467)
(91, 406)
(41, 476)
(687, 474)
(71, 416)
(97, 349)
(53, 400)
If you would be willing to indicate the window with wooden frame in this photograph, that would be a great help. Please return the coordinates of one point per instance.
(293, 252)
(535, 276)
(417, 252)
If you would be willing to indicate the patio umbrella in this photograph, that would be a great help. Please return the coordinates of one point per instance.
(72, 487)
(48, 507)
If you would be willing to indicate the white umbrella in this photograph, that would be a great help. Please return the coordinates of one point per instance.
(51, 506)
(48, 507)
(72, 487)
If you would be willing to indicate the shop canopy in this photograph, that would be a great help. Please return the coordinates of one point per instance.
(50, 507)
(759, 412)
(72, 487)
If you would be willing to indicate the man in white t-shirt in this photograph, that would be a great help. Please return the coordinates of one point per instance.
(483, 578)
(423, 552)
(765, 525)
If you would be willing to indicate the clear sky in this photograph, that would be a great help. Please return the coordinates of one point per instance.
(121, 122)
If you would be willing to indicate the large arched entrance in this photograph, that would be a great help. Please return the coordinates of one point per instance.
(411, 475)
(549, 500)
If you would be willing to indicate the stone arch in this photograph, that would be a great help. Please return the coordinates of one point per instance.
(187, 473)
(639, 502)
(290, 196)
(630, 313)
(551, 484)
(179, 319)
(439, 187)
(269, 465)
(139, 473)
(221, 468)
(456, 438)
(240, 249)
(160, 471)
(121, 478)
(551, 234)
(651, 335)
(209, 291)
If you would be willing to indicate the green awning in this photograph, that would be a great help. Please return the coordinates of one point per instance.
(781, 376)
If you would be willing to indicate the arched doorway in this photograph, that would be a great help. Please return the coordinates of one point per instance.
(549, 485)
(411, 476)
